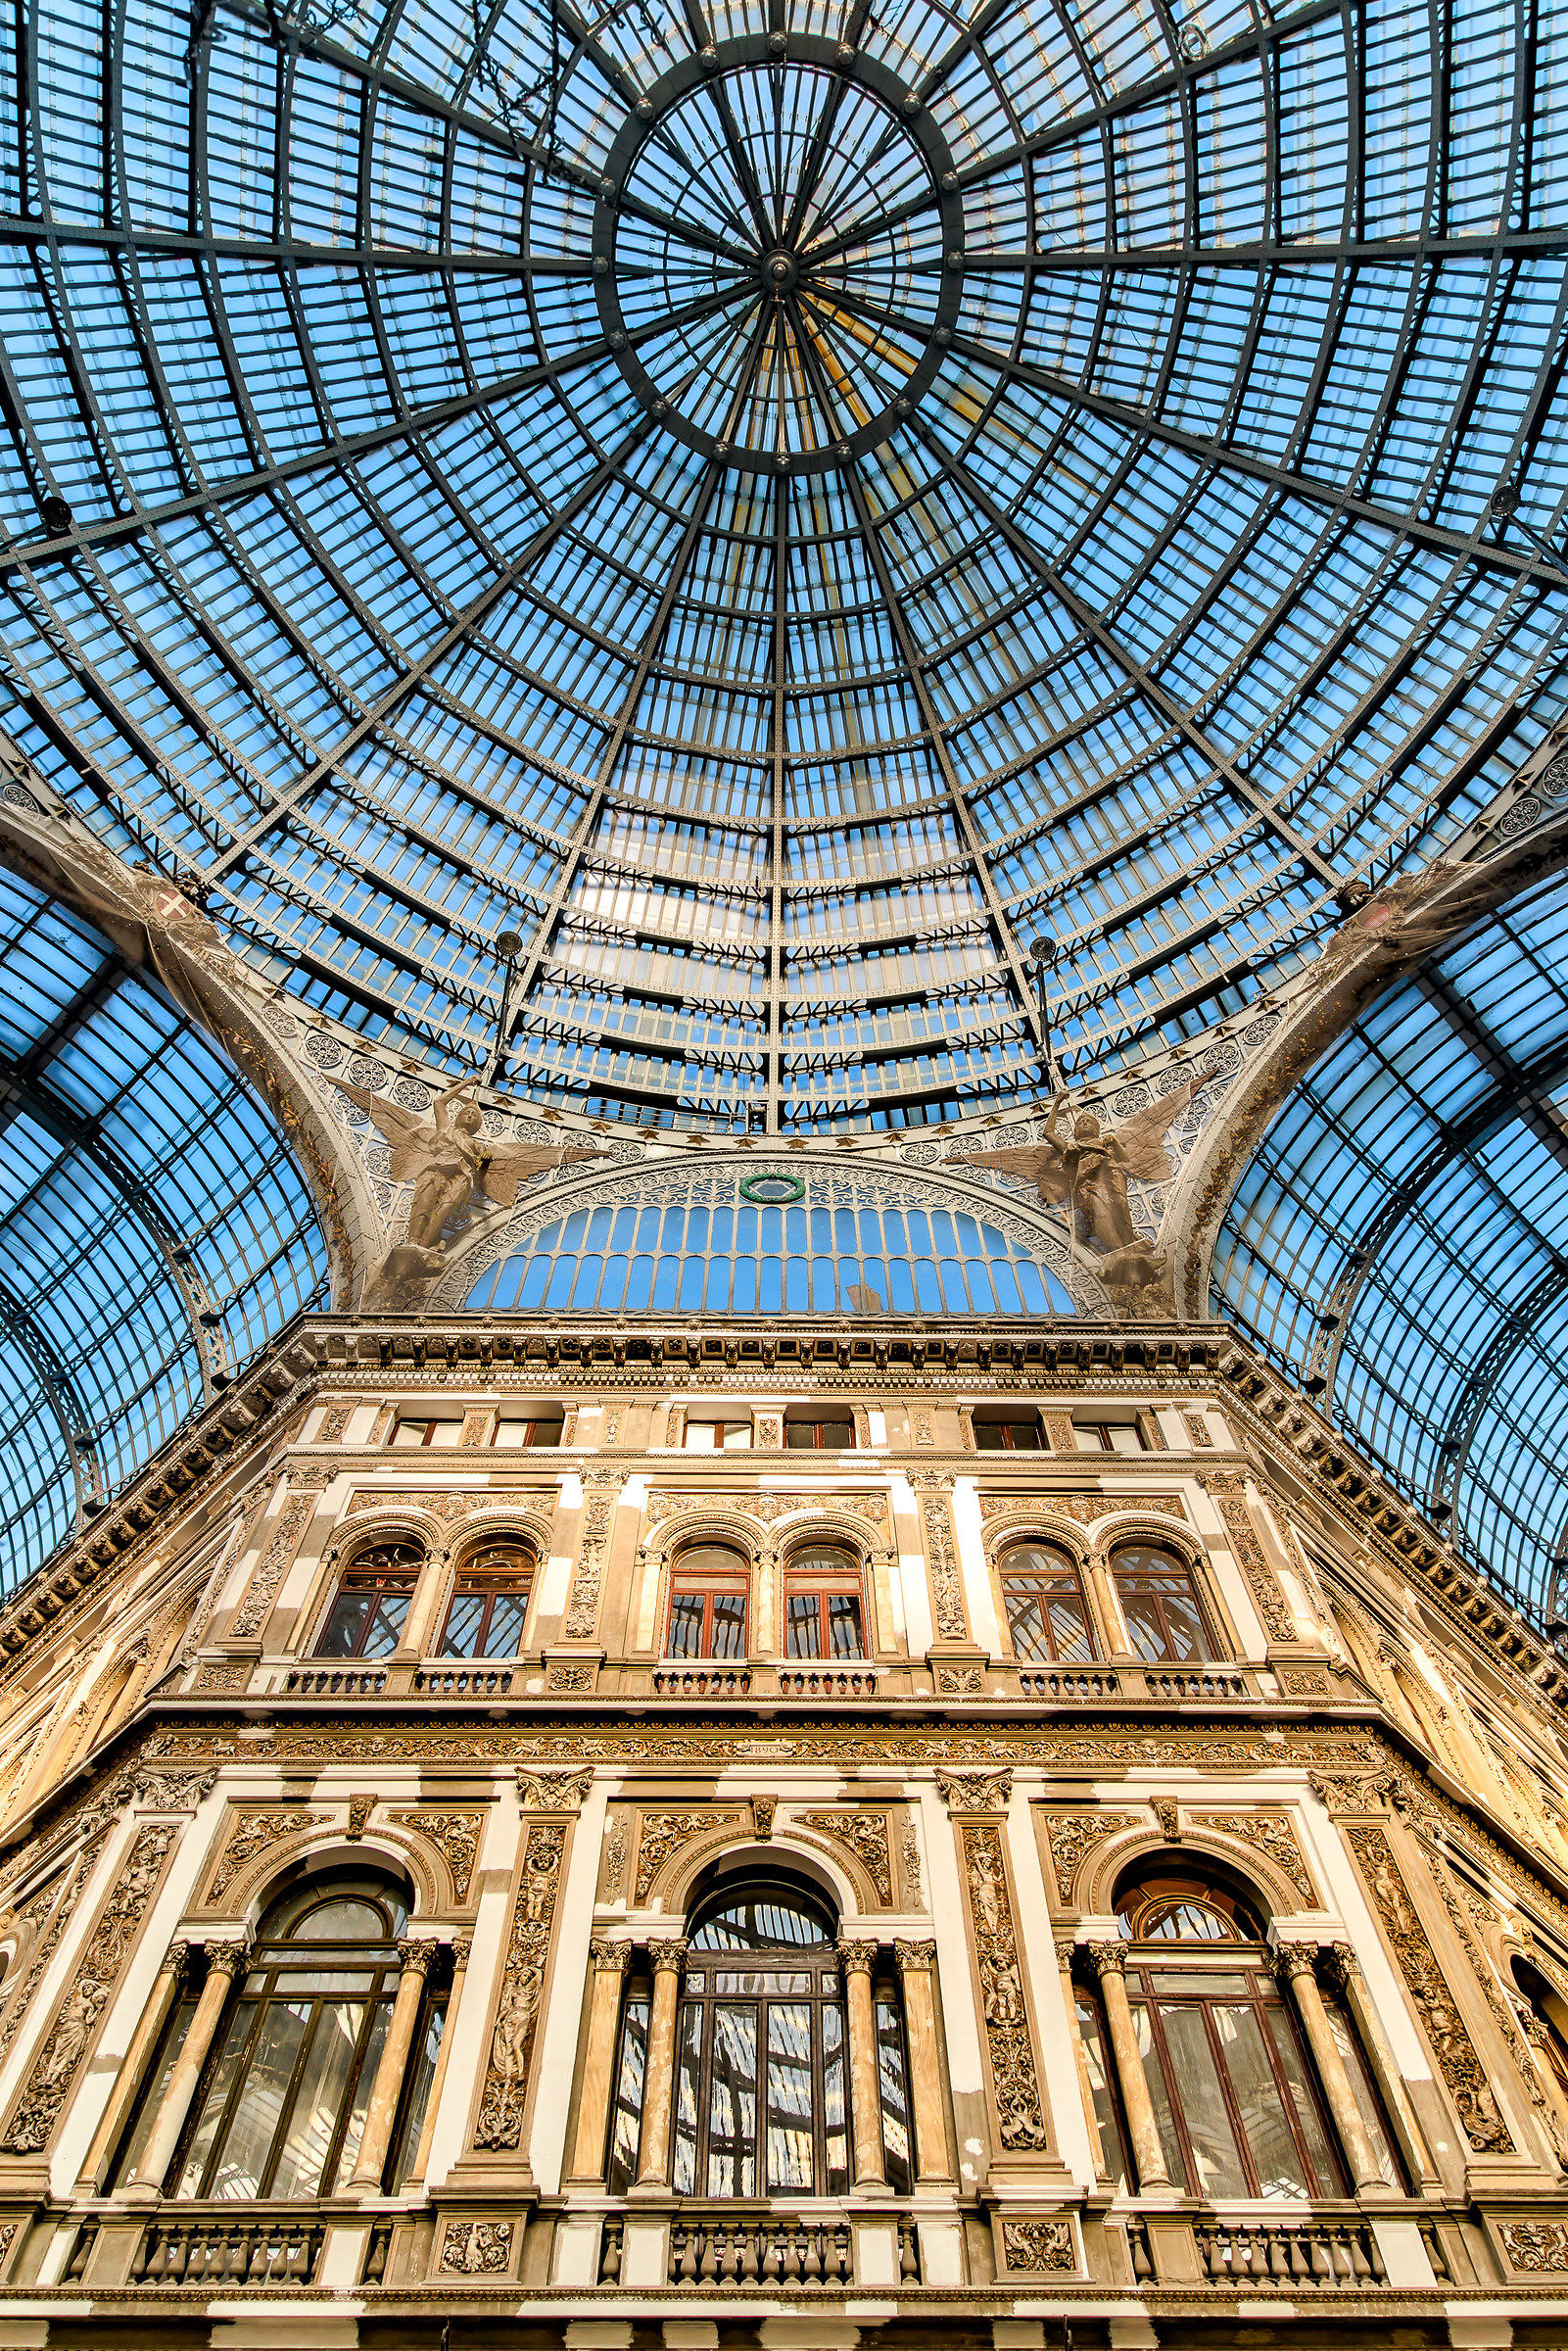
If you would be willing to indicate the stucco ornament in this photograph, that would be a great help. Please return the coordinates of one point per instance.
(1083, 1169)
(456, 1169)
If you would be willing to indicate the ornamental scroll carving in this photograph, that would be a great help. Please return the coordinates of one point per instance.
(1537, 2248)
(552, 1791)
(256, 1833)
(267, 1575)
(1013, 2080)
(1083, 1508)
(47, 1916)
(476, 2248)
(1272, 1836)
(601, 1492)
(863, 1834)
(512, 2039)
(1070, 1834)
(947, 1588)
(974, 1790)
(1262, 1582)
(1457, 2062)
(663, 1833)
(56, 2065)
(1038, 2245)
(664, 1504)
(456, 1837)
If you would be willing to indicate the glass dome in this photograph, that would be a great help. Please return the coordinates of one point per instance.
(779, 510)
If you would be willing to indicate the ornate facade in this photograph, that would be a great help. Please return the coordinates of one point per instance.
(1132, 1850)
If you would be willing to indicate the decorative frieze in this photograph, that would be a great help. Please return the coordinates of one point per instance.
(941, 1557)
(1086, 1509)
(1445, 2028)
(512, 2039)
(602, 1491)
(477, 2248)
(1537, 2248)
(1230, 1500)
(1014, 2084)
(55, 2068)
(863, 1834)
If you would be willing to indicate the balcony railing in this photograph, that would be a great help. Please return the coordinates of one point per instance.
(336, 1681)
(229, 2253)
(1298, 2255)
(716, 2249)
(703, 1681)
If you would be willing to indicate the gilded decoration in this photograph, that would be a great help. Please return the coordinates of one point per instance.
(543, 1790)
(1458, 2061)
(512, 2039)
(219, 1680)
(267, 1576)
(763, 1808)
(1269, 1834)
(960, 1681)
(45, 1918)
(1230, 1500)
(613, 1875)
(864, 1834)
(1070, 1836)
(577, 1677)
(456, 1837)
(55, 2068)
(662, 1835)
(974, 1790)
(941, 1557)
(601, 1494)
(1472, 1932)
(1014, 2086)
(909, 1863)
(256, 1833)
(664, 1503)
(1086, 1510)
(1537, 2248)
(1041, 2246)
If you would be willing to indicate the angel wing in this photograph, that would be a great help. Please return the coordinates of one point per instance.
(510, 1165)
(1039, 1164)
(1142, 1137)
(404, 1130)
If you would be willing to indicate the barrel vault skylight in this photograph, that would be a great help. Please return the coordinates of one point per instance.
(779, 507)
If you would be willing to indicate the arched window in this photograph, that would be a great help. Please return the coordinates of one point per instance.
(1162, 1604)
(1009, 1428)
(372, 1602)
(281, 2106)
(1047, 1612)
(708, 1587)
(823, 1604)
(1236, 2102)
(762, 2060)
(489, 1603)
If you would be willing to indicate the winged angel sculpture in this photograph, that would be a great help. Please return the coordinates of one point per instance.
(1083, 1169)
(454, 1167)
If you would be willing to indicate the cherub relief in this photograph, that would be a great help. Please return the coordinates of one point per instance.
(1085, 1168)
(454, 1167)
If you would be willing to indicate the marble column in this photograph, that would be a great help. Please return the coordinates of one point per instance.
(1109, 1963)
(917, 1962)
(461, 1948)
(610, 1961)
(1080, 2058)
(865, 2097)
(224, 1961)
(1380, 2058)
(381, 2112)
(128, 2086)
(668, 1959)
(1295, 1964)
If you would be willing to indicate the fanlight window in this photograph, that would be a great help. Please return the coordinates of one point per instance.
(1164, 1613)
(1047, 1613)
(1236, 2102)
(281, 2106)
(372, 1603)
(762, 2062)
(708, 1588)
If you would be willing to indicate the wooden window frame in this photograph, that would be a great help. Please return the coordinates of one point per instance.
(817, 1422)
(1212, 1651)
(1069, 1573)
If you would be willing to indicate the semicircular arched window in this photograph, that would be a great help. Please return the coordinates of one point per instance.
(709, 1585)
(1047, 1611)
(1163, 1609)
(822, 1602)
(489, 1604)
(371, 1604)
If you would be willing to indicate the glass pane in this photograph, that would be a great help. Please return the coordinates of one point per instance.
(152, 2097)
(733, 2104)
(212, 2113)
(507, 1616)
(626, 2124)
(835, 2105)
(1112, 2153)
(1220, 2172)
(804, 1625)
(1365, 2096)
(345, 1920)
(729, 1624)
(260, 2105)
(1069, 1628)
(1145, 1628)
(318, 2102)
(687, 2087)
(1025, 1618)
(843, 1624)
(1321, 2154)
(686, 1625)
(1266, 2126)
(789, 2164)
(340, 1637)
(462, 1624)
(836, 1436)
(893, 2088)
(1184, 1628)
(799, 1434)
(375, 2041)
(427, 2048)
(386, 1629)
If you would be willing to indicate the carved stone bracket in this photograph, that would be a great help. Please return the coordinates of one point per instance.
(974, 1790)
(552, 1791)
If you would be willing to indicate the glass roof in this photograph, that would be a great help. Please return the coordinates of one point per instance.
(779, 507)
(1399, 1241)
(155, 1232)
